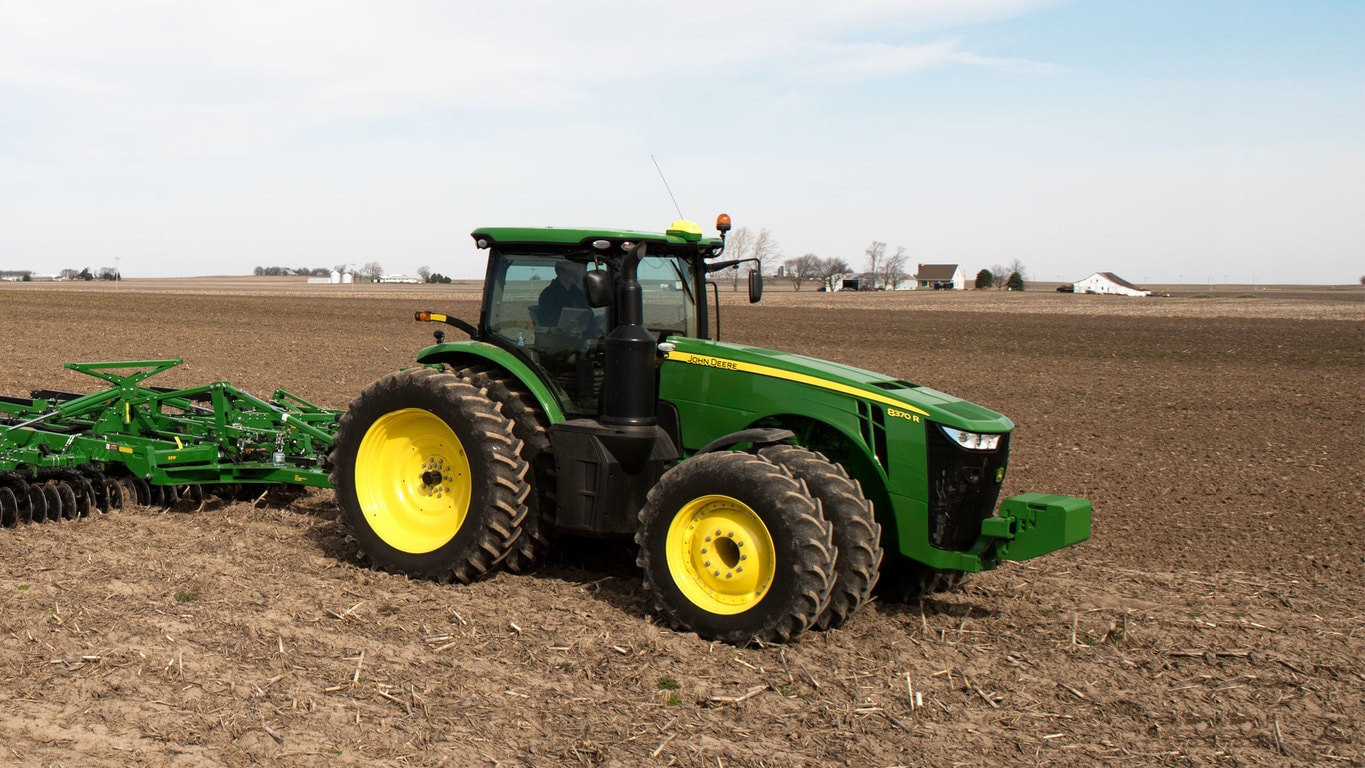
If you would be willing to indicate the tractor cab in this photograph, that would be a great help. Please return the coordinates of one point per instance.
(552, 297)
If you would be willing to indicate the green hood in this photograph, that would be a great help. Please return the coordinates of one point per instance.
(895, 393)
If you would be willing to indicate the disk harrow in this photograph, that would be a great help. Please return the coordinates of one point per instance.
(65, 455)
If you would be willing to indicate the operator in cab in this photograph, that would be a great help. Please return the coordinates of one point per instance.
(566, 292)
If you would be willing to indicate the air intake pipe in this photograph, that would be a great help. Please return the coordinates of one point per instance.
(629, 387)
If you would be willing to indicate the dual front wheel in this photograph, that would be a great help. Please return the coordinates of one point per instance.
(743, 547)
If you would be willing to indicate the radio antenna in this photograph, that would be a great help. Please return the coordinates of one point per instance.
(665, 181)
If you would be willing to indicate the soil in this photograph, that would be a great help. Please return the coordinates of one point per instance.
(1216, 617)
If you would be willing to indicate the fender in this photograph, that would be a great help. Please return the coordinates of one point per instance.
(456, 353)
(758, 436)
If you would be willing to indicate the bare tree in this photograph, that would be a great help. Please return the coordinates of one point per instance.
(876, 252)
(744, 243)
(424, 272)
(999, 275)
(802, 268)
(737, 246)
(1017, 267)
(372, 270)
(766, 250)
(893, 269)
(831, 270)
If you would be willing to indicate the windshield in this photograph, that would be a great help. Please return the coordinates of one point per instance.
(670, 309)
(537, 304)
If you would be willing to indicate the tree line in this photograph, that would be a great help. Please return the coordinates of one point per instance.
(372, 270)
(27, 275)
(884, 270)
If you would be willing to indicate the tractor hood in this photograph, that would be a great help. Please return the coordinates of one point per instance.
(856, 382)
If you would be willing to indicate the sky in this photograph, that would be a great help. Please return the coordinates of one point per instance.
(1166, 141)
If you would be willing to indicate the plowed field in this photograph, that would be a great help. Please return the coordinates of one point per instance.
(1216, 617)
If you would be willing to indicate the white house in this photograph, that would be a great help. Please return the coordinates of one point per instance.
(1110, 284)
(941, 277)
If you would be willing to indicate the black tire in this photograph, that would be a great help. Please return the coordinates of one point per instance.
(760, 510)
(857, 536)
(531, 426)
(907, 581)
(429, 476)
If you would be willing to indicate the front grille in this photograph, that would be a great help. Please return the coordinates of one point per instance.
(963, 488)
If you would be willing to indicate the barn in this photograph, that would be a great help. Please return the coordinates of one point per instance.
(1110, 284)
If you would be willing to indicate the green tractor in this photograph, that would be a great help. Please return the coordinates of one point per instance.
(767, 492)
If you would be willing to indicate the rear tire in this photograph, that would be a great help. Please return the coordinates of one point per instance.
(735, 549)
(530, 426)
(857, 536)
(429, 476)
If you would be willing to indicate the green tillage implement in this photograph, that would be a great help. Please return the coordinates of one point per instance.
(64, 454)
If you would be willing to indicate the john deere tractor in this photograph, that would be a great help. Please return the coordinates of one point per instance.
(767, 491)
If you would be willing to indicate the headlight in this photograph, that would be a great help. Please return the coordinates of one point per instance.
(972, 441)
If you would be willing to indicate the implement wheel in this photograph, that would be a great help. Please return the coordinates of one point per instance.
(857, 536)
(735, 549)
(429, 476)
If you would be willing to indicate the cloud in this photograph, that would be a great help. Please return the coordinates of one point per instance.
(175, 79)
(863, 61)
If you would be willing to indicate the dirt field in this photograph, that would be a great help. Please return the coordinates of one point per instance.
(1217, 616)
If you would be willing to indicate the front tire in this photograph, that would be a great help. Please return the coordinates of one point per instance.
(735, 549)
(857, 536)
(429, 476)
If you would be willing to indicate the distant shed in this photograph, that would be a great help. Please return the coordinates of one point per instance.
(1110, 284)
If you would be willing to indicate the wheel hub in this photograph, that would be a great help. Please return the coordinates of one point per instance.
(413, 480)
(433, 477)
(721, 554)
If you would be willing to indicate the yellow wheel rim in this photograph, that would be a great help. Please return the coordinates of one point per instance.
(412, 480)
(720, 555)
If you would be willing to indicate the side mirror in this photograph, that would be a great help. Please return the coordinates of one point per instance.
(597, 287)
(755, 286)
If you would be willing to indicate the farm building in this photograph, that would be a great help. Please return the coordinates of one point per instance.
(1110, 284)
(941, 277)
